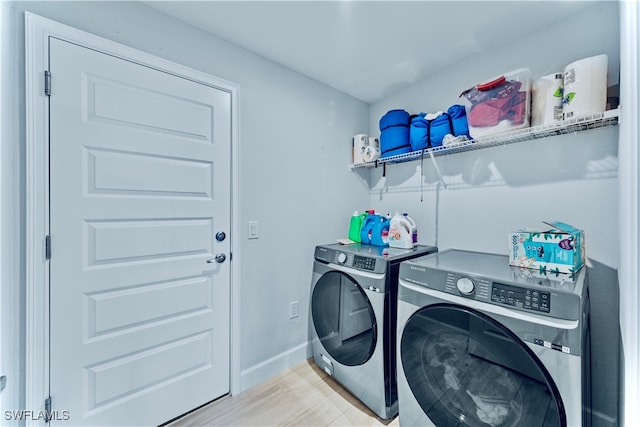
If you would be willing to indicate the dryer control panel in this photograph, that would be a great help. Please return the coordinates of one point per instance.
(489, 279)
(529, 299)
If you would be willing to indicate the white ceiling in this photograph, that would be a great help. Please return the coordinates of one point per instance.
(369, 49)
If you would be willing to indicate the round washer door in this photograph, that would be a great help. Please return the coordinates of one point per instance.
(343, 318)
(465, 368)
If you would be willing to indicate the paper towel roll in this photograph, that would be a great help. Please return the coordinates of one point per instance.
(358, 145)
(546, 99)
(371, 153)
(372, 150)
(375, 143)
(585, 87)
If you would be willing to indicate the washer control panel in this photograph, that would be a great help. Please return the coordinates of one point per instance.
(364, 263)
(529, 299)
(355, 261)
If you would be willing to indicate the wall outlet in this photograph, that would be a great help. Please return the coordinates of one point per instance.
(294, 309)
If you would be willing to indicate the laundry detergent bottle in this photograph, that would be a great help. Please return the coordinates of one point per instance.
(366, 232)
(356, 225)
(380, 231)
(414, 229)
(385, 231)
(401, 232)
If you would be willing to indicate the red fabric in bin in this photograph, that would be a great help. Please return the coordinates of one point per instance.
(484, 114)
(507, 106)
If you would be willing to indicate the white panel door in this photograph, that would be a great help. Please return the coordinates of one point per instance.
(139, 187)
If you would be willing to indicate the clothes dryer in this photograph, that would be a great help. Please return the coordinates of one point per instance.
(481, 343)
(353, 316)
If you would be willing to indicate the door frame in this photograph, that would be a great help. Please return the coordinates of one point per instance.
(37, 32)
(629, 208)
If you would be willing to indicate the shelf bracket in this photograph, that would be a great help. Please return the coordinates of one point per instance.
(435, 164)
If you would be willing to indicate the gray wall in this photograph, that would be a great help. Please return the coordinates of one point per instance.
(490, 192)
(295, 137)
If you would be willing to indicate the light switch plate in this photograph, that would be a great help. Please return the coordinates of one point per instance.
(253, 229)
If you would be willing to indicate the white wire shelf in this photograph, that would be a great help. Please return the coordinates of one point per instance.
(576, 124)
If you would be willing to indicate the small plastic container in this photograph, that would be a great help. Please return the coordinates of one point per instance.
(498, 105)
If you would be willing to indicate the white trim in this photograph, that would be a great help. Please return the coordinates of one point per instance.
(271, 367)
(4, 313)
(36, 275)
(629, 185)
(234, 367)
(37, 32)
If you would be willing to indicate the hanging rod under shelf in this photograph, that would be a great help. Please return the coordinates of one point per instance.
(577, 124)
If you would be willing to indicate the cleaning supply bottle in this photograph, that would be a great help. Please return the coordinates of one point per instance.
(401, 232)
(380, 231)
(356, 225)
(366, 231)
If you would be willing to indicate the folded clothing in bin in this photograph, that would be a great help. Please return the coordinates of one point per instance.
(394, 133)
(499, 105)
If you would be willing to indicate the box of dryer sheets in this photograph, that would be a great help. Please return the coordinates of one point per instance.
(559, 249)
(537, 277)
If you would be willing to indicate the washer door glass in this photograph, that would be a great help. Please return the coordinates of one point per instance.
(343, 318)
(466, 369)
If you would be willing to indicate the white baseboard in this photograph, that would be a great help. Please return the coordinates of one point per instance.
(264, 370)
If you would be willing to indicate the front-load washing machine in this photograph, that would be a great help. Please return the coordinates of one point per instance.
(353, 316)
(481, 343)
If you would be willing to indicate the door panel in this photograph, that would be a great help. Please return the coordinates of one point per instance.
(459, 376)
(334, 298)
(139, 185)
(355, 316)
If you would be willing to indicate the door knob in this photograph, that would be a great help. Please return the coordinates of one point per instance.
(219, 258)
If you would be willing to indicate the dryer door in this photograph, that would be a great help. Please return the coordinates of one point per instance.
(466, 369)
(343, 318)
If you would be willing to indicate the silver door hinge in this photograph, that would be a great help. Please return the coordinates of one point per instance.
(47, 83)
(47, 409)
(47, 247)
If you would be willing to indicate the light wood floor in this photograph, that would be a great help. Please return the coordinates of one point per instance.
(302, 396)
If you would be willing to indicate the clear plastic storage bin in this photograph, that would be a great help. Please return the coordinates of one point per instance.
(499, 105)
